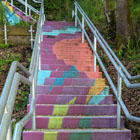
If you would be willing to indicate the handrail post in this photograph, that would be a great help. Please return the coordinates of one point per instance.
(26, 8)
(83, 29)
(11, 2)
(31, 33)
(118, 105)
(9, 133)
(75, 16)
(34, 112)
(5, 33)
(95, 48)
(30, 12)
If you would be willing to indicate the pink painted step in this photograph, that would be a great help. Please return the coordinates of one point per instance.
(66, 62)
(74, 110)
(70, 90)
(50, 48)
(80, 53)
(75, 122)
(75, 82)
(79, 134)
(72, 56)
(67, 67)
(80, 99)
(74, 74)
(58, 23)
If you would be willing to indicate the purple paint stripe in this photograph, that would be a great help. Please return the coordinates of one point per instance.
(77, 110)
(73, 122)
(61, 99)
(34, 135)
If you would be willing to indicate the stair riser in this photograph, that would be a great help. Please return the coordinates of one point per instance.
(54, 40)
(80, 53)
(71, 90)
(75, 40)
(74, 123)
(80, 57)
(78, 135)
(72, 44)
(69, 74)
(61, 99)
(74, 82)
(60, 49)
(72, 110)
(67, 68)
(66, 36)
(68, 62)
(56, 23)
(59, 37)
(65, 50)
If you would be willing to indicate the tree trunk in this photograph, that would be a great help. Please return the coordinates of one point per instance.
(124, 23)
(106, 11)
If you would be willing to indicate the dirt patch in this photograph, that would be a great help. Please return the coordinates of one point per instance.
(7, 56)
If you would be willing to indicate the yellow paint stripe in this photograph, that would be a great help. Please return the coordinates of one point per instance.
(99, 82)
(94, 91)
(71, 102)
(50, 135)
(61, 110)
(10, 8)
(55, 123)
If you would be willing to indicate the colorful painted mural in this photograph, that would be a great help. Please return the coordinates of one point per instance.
(14, 15)
(72, 101)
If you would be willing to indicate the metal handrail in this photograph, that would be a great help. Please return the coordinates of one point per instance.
(117, 66)
(29, 6)
(108, 47)
(11, 86)
(22, 12)
(8, 83)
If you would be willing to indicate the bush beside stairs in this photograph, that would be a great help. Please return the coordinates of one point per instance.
(72, 101)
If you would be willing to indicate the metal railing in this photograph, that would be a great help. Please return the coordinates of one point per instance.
(123, 74)
(9, 92)
(28, 8)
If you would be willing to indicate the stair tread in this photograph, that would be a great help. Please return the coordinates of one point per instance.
(85, 105)
(85, 129)
(79, 116)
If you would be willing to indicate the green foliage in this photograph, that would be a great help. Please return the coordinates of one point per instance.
(58, 10)
(22, 100)
(4, 46)
(93, 9)
(8, 60)
(1, 13)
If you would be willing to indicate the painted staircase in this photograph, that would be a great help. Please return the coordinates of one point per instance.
(72, 101)
(14, 15)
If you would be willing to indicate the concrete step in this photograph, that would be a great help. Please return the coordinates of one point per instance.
(60, 48)
(65, 36)
(65, 67)
(64, 43)
(78, 53)
(72, 56)
(57, 23)
(66, 62)
(78, 134)
(75, 122)
(72, 90)
(58, 39)
(74, 110)
(74, 82)
(68, 74)
(73, 99)
(65, 50)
